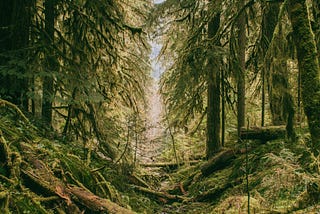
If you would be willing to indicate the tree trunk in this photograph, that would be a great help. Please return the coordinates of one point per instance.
(316, 23)
(309, 67)
(269, 22)
(48, 90)
(213, 108)
(223, 110)
(242, 66)
(280, 99)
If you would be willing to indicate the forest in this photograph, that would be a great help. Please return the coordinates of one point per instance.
(159, 106)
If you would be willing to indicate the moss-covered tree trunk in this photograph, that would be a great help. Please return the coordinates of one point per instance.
(241, 55)
(309, 67)
(316, 23)
(269, 22)
(48, 90)
(213, 106)
(268, 25)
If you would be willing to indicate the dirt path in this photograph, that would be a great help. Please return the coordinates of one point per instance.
(151, 147)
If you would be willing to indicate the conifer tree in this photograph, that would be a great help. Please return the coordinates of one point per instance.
(308, 66)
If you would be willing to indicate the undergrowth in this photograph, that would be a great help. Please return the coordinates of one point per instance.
(283, 178)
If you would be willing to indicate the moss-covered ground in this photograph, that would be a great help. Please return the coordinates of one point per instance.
(40, 172)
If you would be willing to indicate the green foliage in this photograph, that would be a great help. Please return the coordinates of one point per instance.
(96, 55)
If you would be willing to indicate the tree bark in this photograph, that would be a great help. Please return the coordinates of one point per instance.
(213, 106)
(269, 22)
(48, 90)
(309, 67)
(316, 23)
(219, 161)
(242, 39)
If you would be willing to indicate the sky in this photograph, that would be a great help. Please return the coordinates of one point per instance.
(157, 70)
(158, 1)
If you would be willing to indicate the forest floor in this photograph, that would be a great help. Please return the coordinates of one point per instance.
(42, 173)
(151, 147)
(276, 177)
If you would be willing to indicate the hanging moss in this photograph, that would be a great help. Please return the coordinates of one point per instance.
(308, 66)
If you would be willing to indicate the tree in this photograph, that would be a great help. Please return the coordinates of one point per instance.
(308, 66)
(213, 97)
(50, 61)
(268, 25)
(240, 74)
(15, 22)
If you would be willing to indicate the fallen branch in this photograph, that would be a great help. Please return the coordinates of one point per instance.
(169, 164)
(161, 196)
(134, 179)
(11, 105)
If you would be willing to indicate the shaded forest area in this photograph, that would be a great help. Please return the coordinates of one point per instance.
(83, 129)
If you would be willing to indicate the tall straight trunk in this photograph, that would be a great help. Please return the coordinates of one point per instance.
(280, 98)
(242, 38)
(48, 90)
(269, 22)
(223, 110)
(309, 67)
(213, 102)
(14, 38)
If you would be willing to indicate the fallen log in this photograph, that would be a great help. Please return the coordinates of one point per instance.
(224, 158)
(40, 177)
(134, 179)
(263, 133)
(94, 202)
(161, 196)
(170, 165)
(220, 161)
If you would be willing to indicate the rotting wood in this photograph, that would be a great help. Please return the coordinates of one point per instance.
(96, 203)
(82, 195)
(263, 133)
(42, 178)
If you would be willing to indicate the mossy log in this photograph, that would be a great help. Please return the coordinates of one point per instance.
(94, 202)
(136, 180)
(40, 178)
(169, 165)
(263, 133)
(219, 161)
(161, 196)
(49, 185)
